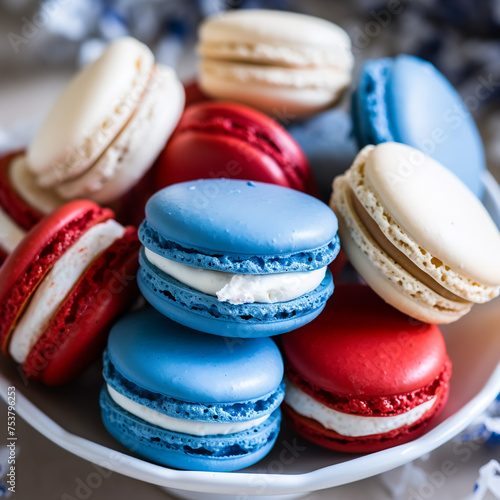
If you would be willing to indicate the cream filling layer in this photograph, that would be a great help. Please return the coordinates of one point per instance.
(240, 288)
(194, 427)
(58, 283)
(10, 233)
(350, 425)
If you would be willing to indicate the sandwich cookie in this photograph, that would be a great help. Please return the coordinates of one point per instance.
(22, 202)
(282, 63)
(108, 126)
(215, 139)
(237, 258)
(63, 287)
(416, 234)
(407, 100)
(363, 377)
(189, 400)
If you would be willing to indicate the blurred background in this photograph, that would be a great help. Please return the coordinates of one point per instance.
(45, 40)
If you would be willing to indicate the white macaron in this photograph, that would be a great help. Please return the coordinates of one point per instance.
(416, 234)
(108, 126)
(279, 62)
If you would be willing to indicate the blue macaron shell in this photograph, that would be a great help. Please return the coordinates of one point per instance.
(229, 216)
(219, 453)
(206, 313)
(407, 100)
(220, 412)
(170, 359)
(238, 263)
(328, 144)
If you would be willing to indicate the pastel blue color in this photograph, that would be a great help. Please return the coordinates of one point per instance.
(183, 451)
(240, 217)
(407, 100)
(168, 358)
(205, 313)
(328, 144)
(188, 375)
(221, 260)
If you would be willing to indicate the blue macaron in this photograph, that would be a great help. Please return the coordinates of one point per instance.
(406, 99)
(189, 400)
(242, 230)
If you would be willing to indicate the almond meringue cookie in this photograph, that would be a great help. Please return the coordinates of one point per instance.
(108, 126)
(416, 234)
(279, 62)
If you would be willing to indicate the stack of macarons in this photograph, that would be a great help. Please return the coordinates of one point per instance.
(236, 246)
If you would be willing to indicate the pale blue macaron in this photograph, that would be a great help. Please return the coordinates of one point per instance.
(168, 370)
(238, 227)
(406, 99)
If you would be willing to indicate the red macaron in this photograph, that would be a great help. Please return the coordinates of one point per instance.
(362, 376)
(17, 210)
(62, 288)
(218, 139)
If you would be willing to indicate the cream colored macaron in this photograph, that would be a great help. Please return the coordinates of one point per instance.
(416, 234)
(108, 126)
(279, 62)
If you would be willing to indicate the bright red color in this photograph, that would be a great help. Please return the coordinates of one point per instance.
(77, 332)
(362, 357)
(216, 139)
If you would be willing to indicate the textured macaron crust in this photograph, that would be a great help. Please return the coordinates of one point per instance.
(108, 126)
(257, 232)
(407, 100)
(189, 400)
(62, 287)
(279, 62)
(416, 234)
(215, 139)
(375, 379)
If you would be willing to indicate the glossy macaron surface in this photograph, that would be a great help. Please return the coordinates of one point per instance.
(240, 217)
(407, 100)
(378, 352)
(192, 366)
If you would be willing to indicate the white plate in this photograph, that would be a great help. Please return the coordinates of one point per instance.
(70, 417)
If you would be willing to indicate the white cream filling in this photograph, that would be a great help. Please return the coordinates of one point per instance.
(194, 427)
(350, 425)
(10, 233)
(57, 284)
(240, 288)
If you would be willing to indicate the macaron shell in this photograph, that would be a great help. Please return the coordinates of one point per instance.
(435, 119)
(214, 215)
(77, 333)
(205, 313)
(194, 94)
(273, 27)
(231, 141)
(104, 92)
(316, 433)
(174, 360)
(134, 150)
(184, 451)
(452, 224)
(19, 210)
(35, 255)
(378, 353)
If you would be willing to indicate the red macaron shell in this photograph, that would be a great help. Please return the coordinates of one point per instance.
(361, 347)
(77, 333)
(316, 433)
(216, 139)
(36, 254)
(12, 204)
